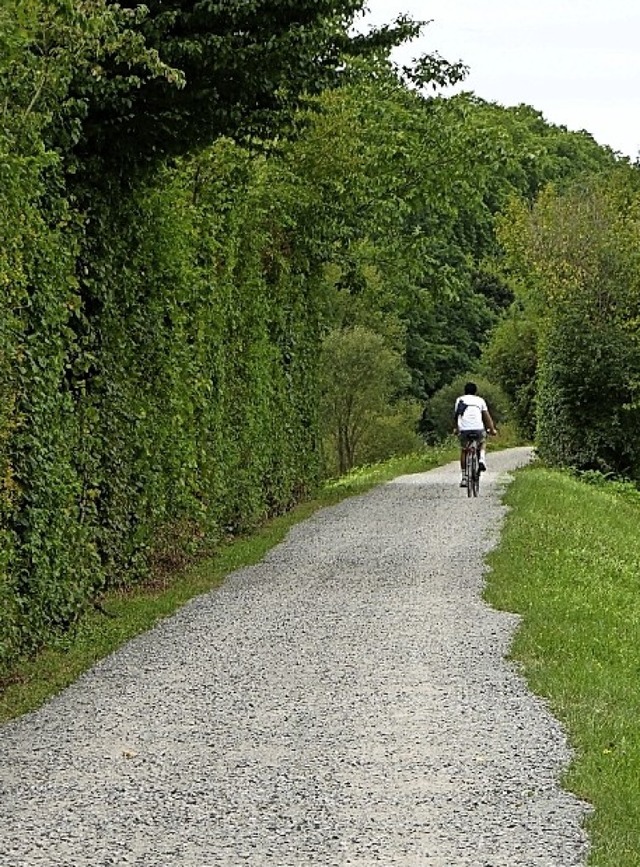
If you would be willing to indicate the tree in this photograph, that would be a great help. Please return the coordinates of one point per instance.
(359, 377)
(142, 82)
(574, 257)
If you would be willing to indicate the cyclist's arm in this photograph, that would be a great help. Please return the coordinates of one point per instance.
(488, 422)
(456, 416)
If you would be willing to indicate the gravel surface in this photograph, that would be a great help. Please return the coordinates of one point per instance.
(344, 702)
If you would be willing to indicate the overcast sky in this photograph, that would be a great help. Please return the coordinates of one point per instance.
(576, 61)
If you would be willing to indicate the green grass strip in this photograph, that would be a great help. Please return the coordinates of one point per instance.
(35, 680)
(569, 563)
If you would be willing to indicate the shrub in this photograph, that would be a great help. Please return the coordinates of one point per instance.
(438, 412)
(588, 417)
(393, 434)
(360, 377)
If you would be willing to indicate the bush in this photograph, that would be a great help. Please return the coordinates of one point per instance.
(392, 435)
(574, 257)
(437, 418)
(361, 378)
(588, 415)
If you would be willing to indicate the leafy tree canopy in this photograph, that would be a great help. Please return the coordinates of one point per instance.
(170, 76)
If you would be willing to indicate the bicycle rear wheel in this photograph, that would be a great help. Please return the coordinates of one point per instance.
(475, 474)
(469, 469)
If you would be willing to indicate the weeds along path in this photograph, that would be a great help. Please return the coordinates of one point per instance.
(344, 702)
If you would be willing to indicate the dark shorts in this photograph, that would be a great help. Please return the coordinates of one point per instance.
(467, 435)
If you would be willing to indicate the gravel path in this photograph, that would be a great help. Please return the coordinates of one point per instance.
(345, 702)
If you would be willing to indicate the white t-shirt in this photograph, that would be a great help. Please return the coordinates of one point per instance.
(471, 418)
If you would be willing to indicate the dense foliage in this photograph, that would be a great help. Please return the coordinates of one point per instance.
(181, 409)
(237, 251)
(159, 328)
(360, 375)
(575, 257)
(438, 414)
(138, 82)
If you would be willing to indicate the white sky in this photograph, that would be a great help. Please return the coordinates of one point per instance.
(576, 61)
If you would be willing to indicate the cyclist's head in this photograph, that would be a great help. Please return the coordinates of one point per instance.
(470, 388)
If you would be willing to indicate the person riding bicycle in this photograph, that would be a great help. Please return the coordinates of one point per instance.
(472, 420)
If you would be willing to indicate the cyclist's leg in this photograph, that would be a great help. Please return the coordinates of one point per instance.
(482, 450)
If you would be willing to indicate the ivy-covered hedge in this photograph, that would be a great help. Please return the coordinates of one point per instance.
(165, 289)
(204, 339)
(161, 399)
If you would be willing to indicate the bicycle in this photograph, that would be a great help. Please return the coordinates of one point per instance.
(472, 465)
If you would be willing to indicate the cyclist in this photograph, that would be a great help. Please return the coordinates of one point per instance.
(472, 419)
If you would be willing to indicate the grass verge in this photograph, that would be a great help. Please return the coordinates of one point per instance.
(569, 563)
(35, 680)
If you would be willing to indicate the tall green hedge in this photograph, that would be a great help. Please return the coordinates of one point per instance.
(158, 387)
(162, 307)
(47, 557)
